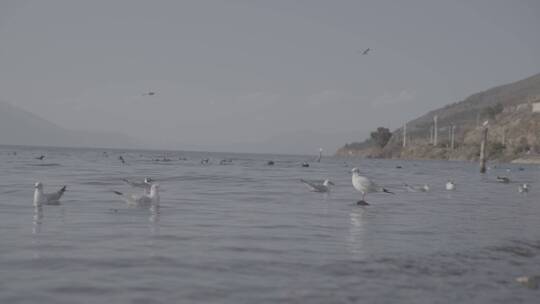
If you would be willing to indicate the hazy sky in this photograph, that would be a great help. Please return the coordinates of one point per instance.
(230, 74)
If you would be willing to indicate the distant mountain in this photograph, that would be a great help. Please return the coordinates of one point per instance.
(20, 127)
(513, 128)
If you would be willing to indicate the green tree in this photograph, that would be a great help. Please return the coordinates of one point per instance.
(381, 136)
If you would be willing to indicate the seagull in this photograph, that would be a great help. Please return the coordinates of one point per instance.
(41, 198)
(364, 185)
(42, 157)
(205, 161)
(305, 165)
(146, 184)
(486, 123)
(423, 188)
(365, 52)
(318, 187)
(144, 200)
(450, 185)
(523, 188)
(503, 179)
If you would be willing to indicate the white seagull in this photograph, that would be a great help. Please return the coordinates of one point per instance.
(143, 200)
(146, 184)
(523, 188)
(317, 186)
(364, 185)
(41, 198)
(450, 185)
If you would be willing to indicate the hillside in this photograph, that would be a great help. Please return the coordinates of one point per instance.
(513, 129)
(20, 127)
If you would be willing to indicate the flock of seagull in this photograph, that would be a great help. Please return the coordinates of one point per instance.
(150, 190)
(364, 185)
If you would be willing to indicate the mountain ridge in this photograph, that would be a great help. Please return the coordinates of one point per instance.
(22, 127)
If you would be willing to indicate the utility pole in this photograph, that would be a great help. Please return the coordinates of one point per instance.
(449, 135)
(435, 118)
(405, 135)
(431, 135)
(452, 138)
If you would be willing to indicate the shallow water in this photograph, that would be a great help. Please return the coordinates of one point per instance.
(251, 233)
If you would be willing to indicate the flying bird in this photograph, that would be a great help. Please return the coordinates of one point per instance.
(364, 185)
(365, 52)
(318, 186)
(41, 198)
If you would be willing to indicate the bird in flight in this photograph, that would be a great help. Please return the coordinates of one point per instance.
(365, 52)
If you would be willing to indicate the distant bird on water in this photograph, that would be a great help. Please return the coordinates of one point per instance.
(364, 185)
(523, 188)
(41, 157)
(450, 185)
(41, 198)
(122, 159)
(144, 200)
(423, 188)
(149, 93)
(317, 186)
(146, 184)
(503, 179)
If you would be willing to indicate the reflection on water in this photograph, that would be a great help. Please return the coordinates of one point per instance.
(357, 233)
(154, 219)
(37, 219)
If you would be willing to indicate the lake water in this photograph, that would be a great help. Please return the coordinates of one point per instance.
(246, 232)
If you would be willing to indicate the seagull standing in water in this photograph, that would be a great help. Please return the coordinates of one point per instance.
(41, 198)
(318, 187)
(364, 185)
(144, 200)
(450, 185)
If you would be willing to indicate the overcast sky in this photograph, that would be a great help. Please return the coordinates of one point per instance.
(230, 74)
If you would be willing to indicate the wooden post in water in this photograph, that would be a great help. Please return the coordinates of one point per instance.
(483, 150)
